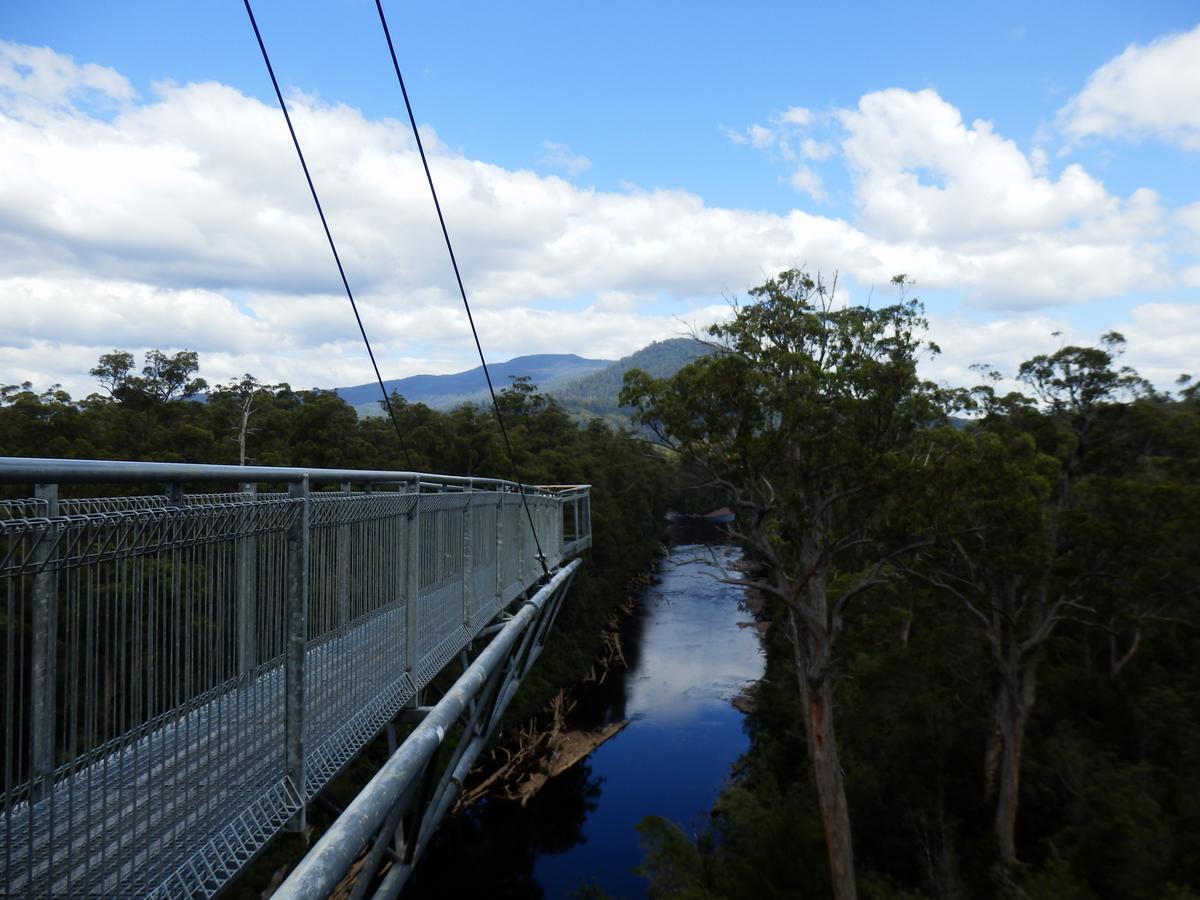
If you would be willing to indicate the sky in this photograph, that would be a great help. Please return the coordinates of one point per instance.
(611, 174)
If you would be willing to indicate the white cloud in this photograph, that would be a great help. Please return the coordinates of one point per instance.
(760, 137)
(559, 156)
(789, 127)
(805, 179)
(184, 221)
(1163, 340)
(757, 136)
(922, 175)
(798, 116)
(1000, 344)
(1146, 91)
(735, 137)
(41, 74)
(818, 151)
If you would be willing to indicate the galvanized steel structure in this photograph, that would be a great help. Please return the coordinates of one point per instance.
(183, 671)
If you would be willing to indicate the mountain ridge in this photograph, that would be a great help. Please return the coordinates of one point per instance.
(584, 386)
(454, 388)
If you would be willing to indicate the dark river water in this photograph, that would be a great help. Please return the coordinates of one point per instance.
(689, 653)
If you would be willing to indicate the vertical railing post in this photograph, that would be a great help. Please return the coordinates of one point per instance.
(247, 586)
(343, 563)
(468, 554)
(44, 651)
(499, 545)
(575, 515)
(297, 632)
(412, 589)
(174, 493)
(522, 521)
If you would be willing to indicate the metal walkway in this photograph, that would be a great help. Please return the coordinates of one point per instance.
(182, 672)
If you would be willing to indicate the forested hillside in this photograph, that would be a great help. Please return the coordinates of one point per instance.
(596, 394)
(547, 370)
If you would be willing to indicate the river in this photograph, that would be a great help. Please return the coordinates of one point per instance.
(690, 650)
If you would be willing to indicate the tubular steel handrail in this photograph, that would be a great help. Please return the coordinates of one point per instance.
(182, 671)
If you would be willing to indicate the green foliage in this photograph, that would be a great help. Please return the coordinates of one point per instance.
(1057, 563)
(670, 861)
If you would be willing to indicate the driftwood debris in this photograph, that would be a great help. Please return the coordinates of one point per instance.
(537, 755)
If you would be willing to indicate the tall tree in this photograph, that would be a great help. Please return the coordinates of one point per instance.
(800, 417)
(1020, 552)
(243, 397)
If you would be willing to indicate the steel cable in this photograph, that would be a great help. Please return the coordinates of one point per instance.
(329, 236)
(458, 277)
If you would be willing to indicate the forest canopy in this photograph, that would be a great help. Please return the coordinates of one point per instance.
(981, 667)
(987, 607)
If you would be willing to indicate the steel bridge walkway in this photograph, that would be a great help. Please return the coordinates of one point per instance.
(184, 671)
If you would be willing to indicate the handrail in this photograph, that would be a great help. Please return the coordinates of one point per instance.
(186, 669)
(33, 470)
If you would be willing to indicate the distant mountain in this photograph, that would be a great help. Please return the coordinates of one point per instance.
(596, 393)
(546, 370)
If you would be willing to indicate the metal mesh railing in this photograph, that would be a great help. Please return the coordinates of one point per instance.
(157, 727)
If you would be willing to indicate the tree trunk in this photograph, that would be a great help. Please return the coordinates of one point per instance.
(817, 696)
(1014, 700)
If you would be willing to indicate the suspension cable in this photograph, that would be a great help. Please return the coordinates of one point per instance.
(329, 236)
(458, 277)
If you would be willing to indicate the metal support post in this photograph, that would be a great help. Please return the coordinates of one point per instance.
(45, 649)
(521, 523)
(412, 590)
(247, 587)
(575, 516)
(297, 632)
(343, 564)
(174, 491)
(468, 569)
(499, 546)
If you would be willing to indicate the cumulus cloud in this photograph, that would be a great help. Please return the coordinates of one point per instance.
(1146, 91)
(796, 115)
(755, 135)
(559, 156)
(42, 75)
(181, 220)
(1162, 342)
(805, 179)
(789, 129)
(922, 174)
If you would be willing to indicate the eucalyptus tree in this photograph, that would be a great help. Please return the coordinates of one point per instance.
(1021, 546)
(802, 417)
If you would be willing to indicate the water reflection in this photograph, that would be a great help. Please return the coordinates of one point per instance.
(687, 658)
(695, 657)
(493, 847)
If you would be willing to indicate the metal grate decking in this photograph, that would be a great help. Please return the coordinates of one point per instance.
(182, 675)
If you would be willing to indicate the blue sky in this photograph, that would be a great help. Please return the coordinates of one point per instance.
(611, 173)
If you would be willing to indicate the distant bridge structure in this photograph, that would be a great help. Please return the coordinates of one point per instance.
(184, 671)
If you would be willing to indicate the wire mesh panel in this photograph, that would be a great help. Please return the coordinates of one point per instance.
(144, 654)
(153, 724)
(484, 559)
(439, 603)
(355, 656)
(512, 530)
